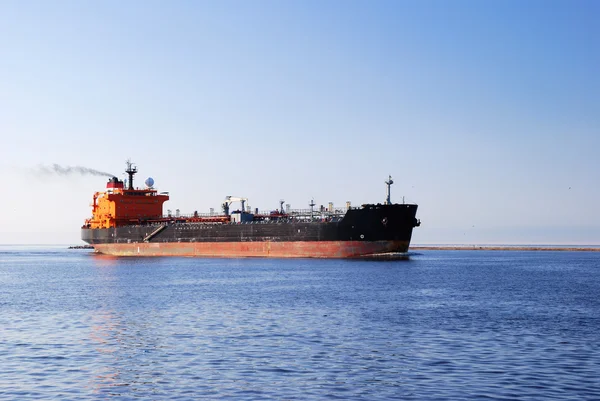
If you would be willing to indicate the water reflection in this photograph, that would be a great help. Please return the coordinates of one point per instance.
(124, 332)
(103, 261)
(126, 346)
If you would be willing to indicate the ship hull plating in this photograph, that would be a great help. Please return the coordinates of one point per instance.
(371, 230)
(268, 249)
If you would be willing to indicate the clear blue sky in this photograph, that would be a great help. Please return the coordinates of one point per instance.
(486, 114)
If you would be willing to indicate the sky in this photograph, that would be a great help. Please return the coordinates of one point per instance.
(485, 113)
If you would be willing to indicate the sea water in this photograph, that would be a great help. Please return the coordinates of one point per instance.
(495, 325)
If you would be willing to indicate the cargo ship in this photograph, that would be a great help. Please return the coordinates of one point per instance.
(129, 221)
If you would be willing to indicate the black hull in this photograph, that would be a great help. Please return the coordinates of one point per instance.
(372, 223)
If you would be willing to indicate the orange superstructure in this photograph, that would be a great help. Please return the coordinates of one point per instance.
(118, 206)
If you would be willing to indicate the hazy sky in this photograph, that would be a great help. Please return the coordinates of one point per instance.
(485, 113)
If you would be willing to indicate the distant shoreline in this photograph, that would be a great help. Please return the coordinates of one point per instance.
(502, 248)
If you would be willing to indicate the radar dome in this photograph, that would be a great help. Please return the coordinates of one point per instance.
(149, 182)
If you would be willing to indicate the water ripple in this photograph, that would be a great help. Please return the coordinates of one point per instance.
(443, 325)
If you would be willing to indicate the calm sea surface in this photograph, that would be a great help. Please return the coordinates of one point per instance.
(489, 325)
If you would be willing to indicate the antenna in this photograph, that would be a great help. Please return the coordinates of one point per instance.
(131, 170)
(312, 205)
(389, 183)
(281, 202)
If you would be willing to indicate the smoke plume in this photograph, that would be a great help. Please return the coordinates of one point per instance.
(70, 170)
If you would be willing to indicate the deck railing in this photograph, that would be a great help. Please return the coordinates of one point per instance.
(294, 213)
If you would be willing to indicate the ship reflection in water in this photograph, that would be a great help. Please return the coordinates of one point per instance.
(104, 261)
(124, 345)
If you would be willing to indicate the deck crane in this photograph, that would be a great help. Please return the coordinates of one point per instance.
(229, 200)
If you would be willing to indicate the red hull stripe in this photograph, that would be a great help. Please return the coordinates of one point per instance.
(296, 249)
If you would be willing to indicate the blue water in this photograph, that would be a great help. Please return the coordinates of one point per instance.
(473, 325)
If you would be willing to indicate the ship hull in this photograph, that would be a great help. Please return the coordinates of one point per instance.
(266, 249)
(372, 230)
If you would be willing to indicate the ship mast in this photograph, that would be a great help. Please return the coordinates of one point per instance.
(131, 170)
(389, 183)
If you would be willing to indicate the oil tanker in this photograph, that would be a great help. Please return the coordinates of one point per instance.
(129, 221)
